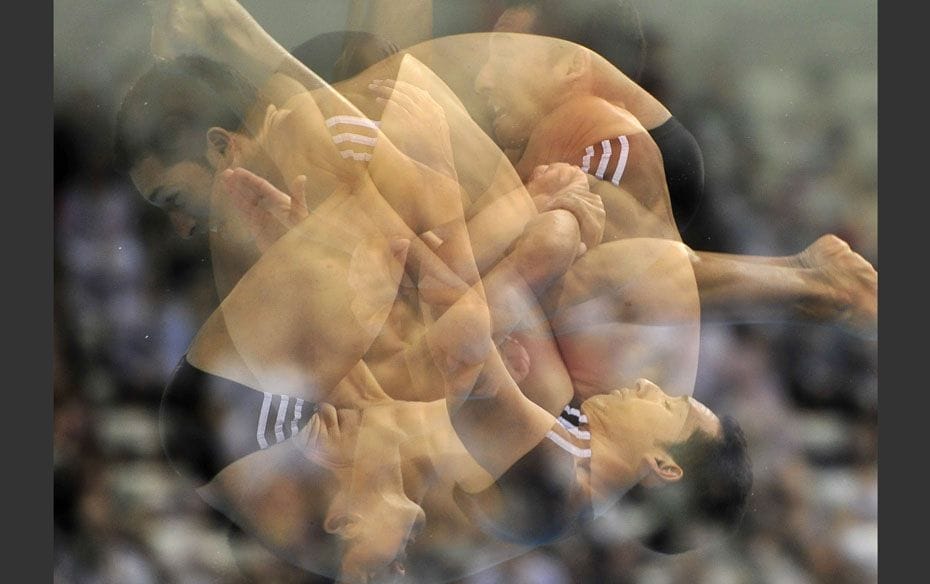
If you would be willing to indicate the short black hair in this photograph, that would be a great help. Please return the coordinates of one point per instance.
(713, 490)
(610, 28)
(169, 109)
(342, 54)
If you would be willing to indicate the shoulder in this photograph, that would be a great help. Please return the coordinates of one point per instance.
(584, 121)
(600, 118)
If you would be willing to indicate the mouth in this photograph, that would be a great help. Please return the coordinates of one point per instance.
(389, 572)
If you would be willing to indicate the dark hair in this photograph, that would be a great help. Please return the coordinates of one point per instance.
(339, 55)
(610, 28)
(168, 110)
(713, 490)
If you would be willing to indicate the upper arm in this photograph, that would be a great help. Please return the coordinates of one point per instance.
(625, 168)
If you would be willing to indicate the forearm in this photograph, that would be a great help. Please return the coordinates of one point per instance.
(542, 254)
(749, 288)
(784, 261)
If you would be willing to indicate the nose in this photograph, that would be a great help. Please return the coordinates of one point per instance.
(183, 223)
(644, 387)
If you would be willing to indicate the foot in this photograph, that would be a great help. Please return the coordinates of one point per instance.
(852, 285)
(210, 28)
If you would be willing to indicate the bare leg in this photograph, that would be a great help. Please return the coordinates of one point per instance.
(625, 310)
(826, 283)
(495, 421)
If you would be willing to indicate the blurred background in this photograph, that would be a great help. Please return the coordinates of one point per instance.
(781, 95)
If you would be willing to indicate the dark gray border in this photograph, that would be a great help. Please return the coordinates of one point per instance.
(903, 295)
(27, 239)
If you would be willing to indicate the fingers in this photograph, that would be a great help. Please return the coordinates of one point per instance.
(314, 434)
(539, 171)
(564, 186)
(329, 420)
(253, 190)
(253, 187)
(264, 207)
(410, 97)
(551, 179)
(298, 210)
(245, 199)
(590, 215)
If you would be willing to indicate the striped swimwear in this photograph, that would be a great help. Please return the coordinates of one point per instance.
(607, 159)
(355, 137)
(208, 422)
(571, 419)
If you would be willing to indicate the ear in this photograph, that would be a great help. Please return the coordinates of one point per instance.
(343, 524)
(575, 63)
(220, 147)
(662, 469)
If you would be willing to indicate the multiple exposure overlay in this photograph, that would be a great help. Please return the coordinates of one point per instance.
(396, 305)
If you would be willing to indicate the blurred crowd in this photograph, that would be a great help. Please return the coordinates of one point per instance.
(129, 296)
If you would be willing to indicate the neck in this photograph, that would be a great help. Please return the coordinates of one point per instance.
(605, 488)
(602, 494)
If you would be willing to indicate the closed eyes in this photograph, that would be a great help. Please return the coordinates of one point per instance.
(160, 200)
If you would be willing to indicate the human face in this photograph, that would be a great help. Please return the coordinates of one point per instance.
(515, 79)
(370, 512)
(633, 427)
(376, 549)
(182, 190)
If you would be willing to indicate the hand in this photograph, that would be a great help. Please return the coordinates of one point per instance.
(415, 123)
(330, 435)
(563, 186)
(268, 212)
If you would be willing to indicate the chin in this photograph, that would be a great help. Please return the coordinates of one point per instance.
(509, 137)
(592, 409)
(509, 144)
